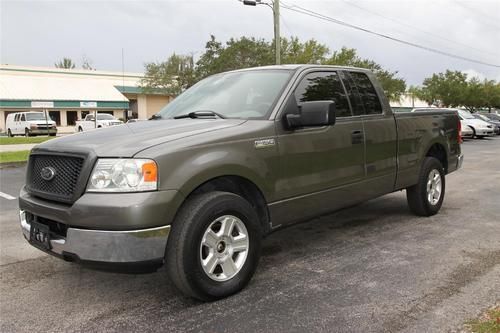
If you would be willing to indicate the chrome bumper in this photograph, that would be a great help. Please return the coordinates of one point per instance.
(120, 247)
(460, 161)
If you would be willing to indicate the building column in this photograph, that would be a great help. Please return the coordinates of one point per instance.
(2, 121)
(78, 114)
(64, 118)
(142, 109)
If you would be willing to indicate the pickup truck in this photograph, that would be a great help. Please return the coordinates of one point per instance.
(233, 158)
(90, 122)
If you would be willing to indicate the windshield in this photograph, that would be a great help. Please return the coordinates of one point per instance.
(483, 117)
(36, 116)
(245, 94)
(492, 116)
(105, 117)
(465, 114)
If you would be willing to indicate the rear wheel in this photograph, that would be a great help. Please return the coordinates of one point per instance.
(80, 129)
(426, 197)
(214, 246)
(9, 133)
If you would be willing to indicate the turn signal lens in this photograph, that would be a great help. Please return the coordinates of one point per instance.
(149, 172)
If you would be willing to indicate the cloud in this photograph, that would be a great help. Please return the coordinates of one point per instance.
(42, 32)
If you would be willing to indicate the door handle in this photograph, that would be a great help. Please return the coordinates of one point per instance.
(357, 137)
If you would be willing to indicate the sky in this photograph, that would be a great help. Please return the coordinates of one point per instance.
(39, 33)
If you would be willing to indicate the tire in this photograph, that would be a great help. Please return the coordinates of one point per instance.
(80, 129)
(473, 132)
(185, 252)
(421, 200)
(27, 133)
(9, 133)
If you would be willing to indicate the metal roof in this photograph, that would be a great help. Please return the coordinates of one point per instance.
(48, 84)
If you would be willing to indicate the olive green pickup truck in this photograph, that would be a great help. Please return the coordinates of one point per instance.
(233, 158)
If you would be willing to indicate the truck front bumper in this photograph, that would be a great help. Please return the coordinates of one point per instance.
(127, 250)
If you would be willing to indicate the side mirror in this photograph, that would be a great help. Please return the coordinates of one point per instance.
(317, 113)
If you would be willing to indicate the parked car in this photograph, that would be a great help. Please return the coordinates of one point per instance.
(492, 116)
(492, 121)
(467, 132)
(233, 158)
(30, 123)
(480, 127)
(90, 122)
(134, 120)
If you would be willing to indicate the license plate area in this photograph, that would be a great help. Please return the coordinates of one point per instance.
(40, 235)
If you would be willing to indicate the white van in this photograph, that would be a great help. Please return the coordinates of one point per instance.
(30, 123)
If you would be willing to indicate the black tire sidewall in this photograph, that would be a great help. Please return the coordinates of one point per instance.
(429, 165)
(223, 204)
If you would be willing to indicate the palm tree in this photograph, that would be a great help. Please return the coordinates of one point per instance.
(65, 63)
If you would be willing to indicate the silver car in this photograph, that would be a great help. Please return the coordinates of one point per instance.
(467, 132)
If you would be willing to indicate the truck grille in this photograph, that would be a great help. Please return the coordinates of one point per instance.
(54, 177)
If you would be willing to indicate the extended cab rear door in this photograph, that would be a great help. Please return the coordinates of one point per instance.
(380, 133)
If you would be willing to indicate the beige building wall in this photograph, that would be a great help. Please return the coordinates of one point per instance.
(154, 103)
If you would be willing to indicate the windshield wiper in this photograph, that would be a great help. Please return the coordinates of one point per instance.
(155, 117)
(200, 114)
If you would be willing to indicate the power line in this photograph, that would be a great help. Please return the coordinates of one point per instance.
(483, 15)
(417, 29)
(308, 12)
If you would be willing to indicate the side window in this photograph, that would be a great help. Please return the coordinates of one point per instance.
(16, 117)
(323, 86)
(352, 92)
(23, 118)
(368, 94)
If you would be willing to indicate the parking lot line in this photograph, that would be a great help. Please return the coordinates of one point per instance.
(7, 196)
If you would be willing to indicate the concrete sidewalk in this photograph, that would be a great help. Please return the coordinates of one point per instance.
(16, 147)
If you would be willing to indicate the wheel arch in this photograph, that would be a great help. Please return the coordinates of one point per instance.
(438, 151)
(239, 185)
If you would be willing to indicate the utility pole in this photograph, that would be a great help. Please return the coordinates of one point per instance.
(275, 7)
(277, 38)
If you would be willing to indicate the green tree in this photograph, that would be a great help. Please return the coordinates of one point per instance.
(309, 52)
(490, 94)
(172, 76)
(65, 63)
(448, 89)
(251, 52)
(393, 86)
(87, 63)
(237, 53)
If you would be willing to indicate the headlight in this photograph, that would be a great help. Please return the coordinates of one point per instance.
(123, 175)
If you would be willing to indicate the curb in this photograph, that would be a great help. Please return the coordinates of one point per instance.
(12, 165)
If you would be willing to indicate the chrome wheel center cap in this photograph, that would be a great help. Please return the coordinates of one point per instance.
(221, 247)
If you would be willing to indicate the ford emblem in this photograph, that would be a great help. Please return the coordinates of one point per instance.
(48, 173)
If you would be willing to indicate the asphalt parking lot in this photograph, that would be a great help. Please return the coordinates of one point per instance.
(371, 268)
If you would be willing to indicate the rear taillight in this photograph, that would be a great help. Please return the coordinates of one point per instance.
(460, 132)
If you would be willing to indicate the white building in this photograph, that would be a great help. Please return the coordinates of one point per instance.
(70, 94)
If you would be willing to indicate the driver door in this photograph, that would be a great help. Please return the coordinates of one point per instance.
(319, 165)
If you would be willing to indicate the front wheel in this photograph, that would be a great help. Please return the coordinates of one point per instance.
(214, 246)
(27, 133)
(426, 197)
(80, 129)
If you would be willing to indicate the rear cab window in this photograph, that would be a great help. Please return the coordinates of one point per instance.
(362, 94)
(323, 86)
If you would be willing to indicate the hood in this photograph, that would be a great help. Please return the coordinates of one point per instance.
(477, 122)
(42, 122)
(128, 139)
